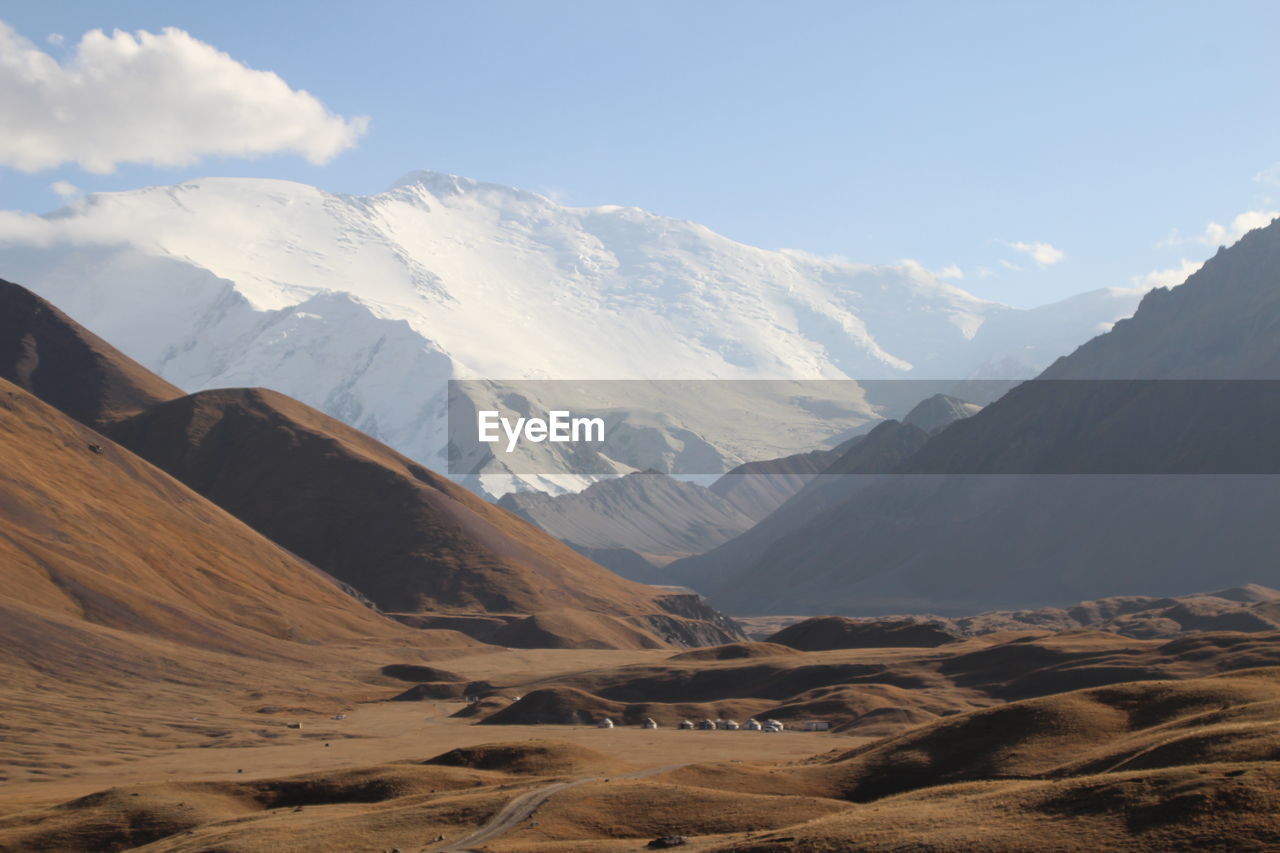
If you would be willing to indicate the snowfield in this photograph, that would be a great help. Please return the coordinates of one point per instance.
(364, 306)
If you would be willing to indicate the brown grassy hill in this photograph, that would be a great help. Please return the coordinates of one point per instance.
(837, 632)
(1158, 766)
(1123, 727)
(67, 366)
(250, 813)
(1247, 608)
(877, 691)
(1224, 807)
(398, 806)
(736, 651)
(640, 810)
(94, 533)
(129, 603)
(406, 537)
(532, 758)
(570, 706)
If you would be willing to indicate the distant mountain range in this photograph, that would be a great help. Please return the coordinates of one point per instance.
(1247, 609)
(1145, 463)
(637, 524)
(363, 306)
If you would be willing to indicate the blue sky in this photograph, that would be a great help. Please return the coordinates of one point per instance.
(1040, 149)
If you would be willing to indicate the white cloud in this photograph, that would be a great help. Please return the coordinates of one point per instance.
(1169, 277)
(1044, 254)
(165, 99)
(55, 39)
(1269, 175)
(1009, 265)
(1225, 235)
(30, 230)
(952, 271)
(66, 189)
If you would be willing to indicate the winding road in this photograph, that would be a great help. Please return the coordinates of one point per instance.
(523, 807)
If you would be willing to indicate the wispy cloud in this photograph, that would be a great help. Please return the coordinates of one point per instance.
(1269, 175)
(165, 99)
(1167, 277)
(1225, 235)
(1044, 254)
(1217, 234)
(951, 271)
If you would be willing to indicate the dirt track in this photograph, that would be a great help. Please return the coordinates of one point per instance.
(524, 806)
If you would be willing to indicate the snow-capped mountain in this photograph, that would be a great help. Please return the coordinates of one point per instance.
(364, 306)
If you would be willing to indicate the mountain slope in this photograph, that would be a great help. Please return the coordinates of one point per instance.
(649, 514)
(408, 538)
(863, 462)
(1144, 463)
(93, 533)
(758, 488)
(363, 306)
(940, 411)
(45, 352)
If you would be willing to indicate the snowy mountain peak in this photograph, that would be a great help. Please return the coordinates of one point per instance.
(364, 305)
(443, 185)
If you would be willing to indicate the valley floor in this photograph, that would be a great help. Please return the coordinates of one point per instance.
(1180, 758)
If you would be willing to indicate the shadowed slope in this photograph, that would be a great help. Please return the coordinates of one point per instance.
(1157, 438)
(405, 536)
(66, 365)
(756, 553)
(647, 512)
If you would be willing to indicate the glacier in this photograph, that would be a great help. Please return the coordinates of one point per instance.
(364, 306)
